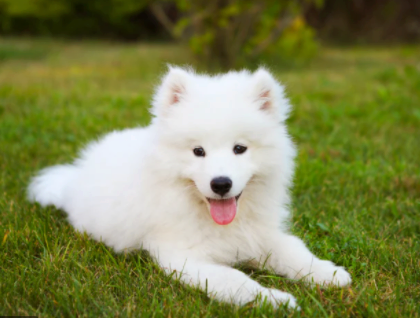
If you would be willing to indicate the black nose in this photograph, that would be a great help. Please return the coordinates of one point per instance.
(221, 185)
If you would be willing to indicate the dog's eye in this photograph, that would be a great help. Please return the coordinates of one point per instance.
(199, 152)
(238, 149)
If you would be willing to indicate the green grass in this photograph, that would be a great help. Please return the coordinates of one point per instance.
(356, 199)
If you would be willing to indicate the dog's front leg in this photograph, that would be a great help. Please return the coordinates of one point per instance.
(291, 258)
(221, 282)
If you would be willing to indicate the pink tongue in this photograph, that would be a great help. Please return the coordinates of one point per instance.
(223, 211)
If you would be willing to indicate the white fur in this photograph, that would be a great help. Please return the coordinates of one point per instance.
(144, 187)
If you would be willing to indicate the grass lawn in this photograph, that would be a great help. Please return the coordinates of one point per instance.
(356, 199)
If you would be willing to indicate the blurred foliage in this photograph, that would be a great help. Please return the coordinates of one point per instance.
(224, 33)
(78, 18)
(366, 21)
(110, 9)
(221, 33)
(231, 33)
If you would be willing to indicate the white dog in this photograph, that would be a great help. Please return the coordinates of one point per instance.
(201, 188)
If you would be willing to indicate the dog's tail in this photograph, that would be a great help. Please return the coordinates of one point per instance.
(48, 187)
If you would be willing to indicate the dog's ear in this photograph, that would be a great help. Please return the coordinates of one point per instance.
(269, 94)
(171, 90)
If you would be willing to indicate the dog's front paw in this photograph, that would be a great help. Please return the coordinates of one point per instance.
(277, 298)
(326, 273)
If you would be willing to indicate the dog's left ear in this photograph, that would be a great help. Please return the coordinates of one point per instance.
(269, 94)
(171, 91)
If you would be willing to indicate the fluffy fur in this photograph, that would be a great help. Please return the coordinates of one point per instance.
(145, 188)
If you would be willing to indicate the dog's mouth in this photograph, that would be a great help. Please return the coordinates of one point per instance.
(223, 211)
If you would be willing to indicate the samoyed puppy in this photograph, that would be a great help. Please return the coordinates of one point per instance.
(203, 187)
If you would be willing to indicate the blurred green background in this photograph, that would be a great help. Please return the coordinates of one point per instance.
(72, 70)
(222, 33)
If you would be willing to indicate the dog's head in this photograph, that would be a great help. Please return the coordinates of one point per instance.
(221, 132)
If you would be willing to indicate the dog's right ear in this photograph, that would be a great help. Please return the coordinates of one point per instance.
(171, 91)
